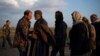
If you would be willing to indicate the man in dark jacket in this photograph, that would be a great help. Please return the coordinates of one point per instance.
(96, 23)
(21, 34)
(60, 34)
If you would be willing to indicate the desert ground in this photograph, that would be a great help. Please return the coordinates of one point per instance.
(9, 51)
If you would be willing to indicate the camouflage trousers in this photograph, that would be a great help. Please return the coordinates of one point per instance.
(6, 39)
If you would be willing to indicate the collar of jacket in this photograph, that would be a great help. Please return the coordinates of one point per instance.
(98, 20)
(74, 23)
(39, 19)
(25, 18)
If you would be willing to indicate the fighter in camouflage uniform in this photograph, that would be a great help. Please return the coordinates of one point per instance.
(6, 34)
(21, 34)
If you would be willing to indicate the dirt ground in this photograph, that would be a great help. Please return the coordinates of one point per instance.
(9, 51)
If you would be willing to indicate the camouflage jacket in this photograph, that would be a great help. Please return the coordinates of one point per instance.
(6, 30)
(21, 34)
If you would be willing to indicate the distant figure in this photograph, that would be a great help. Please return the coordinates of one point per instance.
(96, 23)
(45, 36)
(21, 34)
(79, 42)
(60, 34)
(92, 35)
(6, 34)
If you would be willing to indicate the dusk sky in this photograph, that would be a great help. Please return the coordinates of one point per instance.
(14, 9)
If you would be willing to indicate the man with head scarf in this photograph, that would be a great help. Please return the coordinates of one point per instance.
(44, 34)
(78, 35)
(60, 34)
(96, 23)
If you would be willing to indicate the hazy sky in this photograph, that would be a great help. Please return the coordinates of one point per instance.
(14, 9)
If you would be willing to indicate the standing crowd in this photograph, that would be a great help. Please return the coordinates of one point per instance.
(84, 36)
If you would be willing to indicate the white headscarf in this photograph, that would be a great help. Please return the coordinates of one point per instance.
(77, 17)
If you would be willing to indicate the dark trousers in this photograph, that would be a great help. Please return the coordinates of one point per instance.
(25, 52)
(42, 49)
(98, 51)
(21, 53)
(6, 39)
(85, 54)
(93, 52)
(47, 50)
(32, 49)
(57, 49)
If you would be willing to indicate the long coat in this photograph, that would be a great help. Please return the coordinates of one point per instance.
(92, 36)
(44, 38)
(79, 42)
(21, 34)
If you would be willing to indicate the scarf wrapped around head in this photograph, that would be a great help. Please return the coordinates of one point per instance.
(76, 16)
